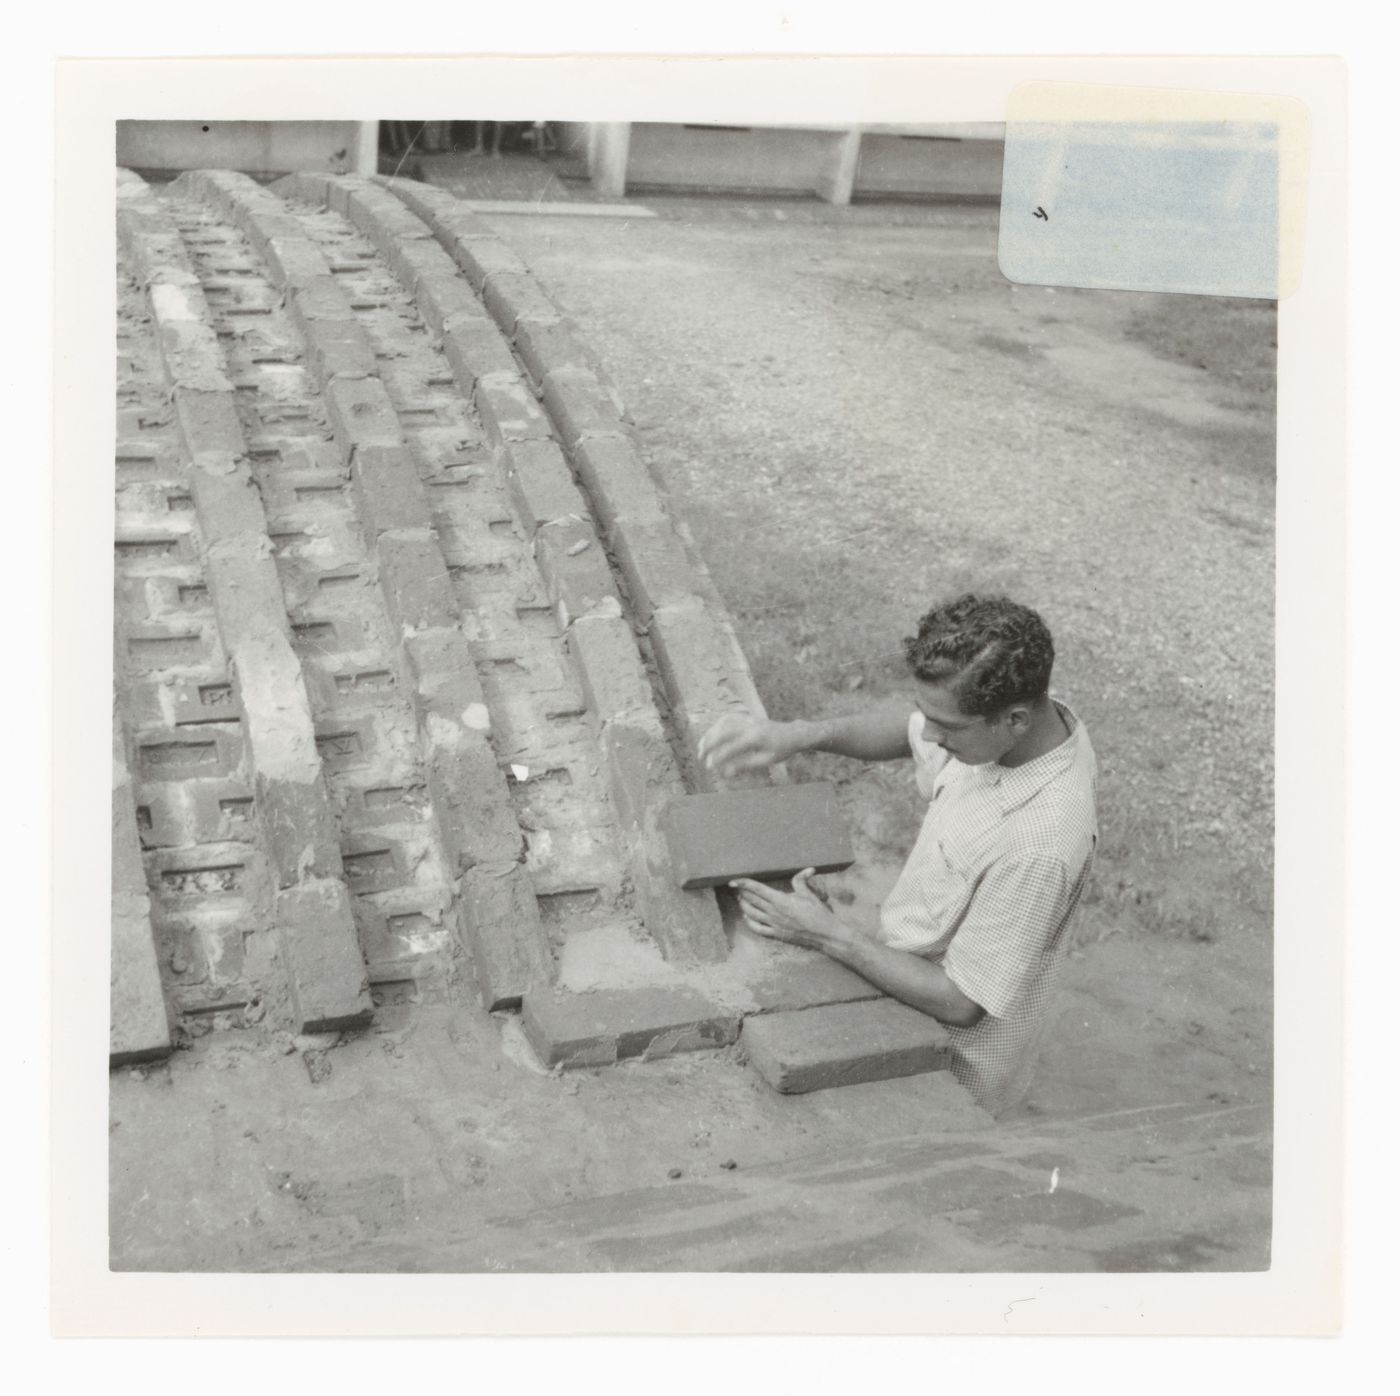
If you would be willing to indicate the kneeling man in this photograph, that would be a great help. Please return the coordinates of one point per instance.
(975, 929)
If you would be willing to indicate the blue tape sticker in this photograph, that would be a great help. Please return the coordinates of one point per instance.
(1141, 189)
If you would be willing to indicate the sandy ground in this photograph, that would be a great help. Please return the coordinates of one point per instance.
(857, 417)
(853, 417)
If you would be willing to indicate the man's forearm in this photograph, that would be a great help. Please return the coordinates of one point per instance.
(908, 977)
(878, 734)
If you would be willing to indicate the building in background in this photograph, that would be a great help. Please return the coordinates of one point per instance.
(839, 164)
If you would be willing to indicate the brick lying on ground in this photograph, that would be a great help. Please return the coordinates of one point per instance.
(330, 989)
(843, 1044)
(796, 979)
(770, 832)
(610, 1025)
(501, 925)
(140, 1028)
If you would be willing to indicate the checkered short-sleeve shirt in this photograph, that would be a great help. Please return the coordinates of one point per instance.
(989, 890)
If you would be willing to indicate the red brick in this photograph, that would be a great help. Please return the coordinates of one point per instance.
(195, 702)
(338, 349)
(182, 756)
(474, 347)
(459, 224)
(509, 296)
(362, 414)
(843, 1044)
(508, 409)
(299, 828)
(161, 812)
(768, 833)
(579, 406)
(687, 925)
(481, 258)
(413, 579)
(308, 187)
(264, 227)
(192, 356)
(501, 923)
(445, 678)
(223, 811)
(244, 587)
(322, 298)
(541, 484)
(471, 800)
(790, 979)
(597, 1029)
(604, 651)
(640, 765)
(208, 423)
(414, 258)
(697, 663)
(655, 564)
(338, 191)
(140, 1023)
(227, 500)
(321, 953)
(382, 218)
(387, 489)
(547, 345)
(575, 569)
(294, 260)
(140, 1026)
(422, 199)
(619, 485)
(442, 296)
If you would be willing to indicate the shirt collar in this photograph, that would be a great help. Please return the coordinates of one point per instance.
(1016, 784)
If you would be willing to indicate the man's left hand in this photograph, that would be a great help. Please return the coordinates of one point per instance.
(800, 917)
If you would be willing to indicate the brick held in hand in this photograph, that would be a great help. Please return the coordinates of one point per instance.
(770, 832)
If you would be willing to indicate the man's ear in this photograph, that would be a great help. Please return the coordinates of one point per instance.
(1017, 717)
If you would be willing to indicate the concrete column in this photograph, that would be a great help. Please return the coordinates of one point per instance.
(608, 145)
(364, 148)
(839, 179)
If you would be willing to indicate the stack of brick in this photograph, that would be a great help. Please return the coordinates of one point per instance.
(671, 599)
(642, 768)
(317, 938)
(469, 794)
(140, 1026)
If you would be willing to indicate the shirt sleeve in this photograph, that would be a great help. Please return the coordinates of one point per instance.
(1016, 910)
(928, 759)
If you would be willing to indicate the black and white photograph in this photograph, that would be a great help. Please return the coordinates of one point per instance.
(696, 697)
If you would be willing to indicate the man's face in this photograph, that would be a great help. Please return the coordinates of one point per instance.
(972, 740)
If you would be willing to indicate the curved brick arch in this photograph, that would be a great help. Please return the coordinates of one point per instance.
(413, 655)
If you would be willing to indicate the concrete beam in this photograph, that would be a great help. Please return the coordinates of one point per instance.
(836, 184)
(608, 146)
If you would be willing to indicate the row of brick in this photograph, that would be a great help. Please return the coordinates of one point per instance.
(140, 1025)
(572, 561)
(671, 598)
(317, 938)
(469, 795)
(796, 1049)
(811, 1024)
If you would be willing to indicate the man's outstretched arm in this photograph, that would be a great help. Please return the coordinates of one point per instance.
(802, 918)
(738, 742)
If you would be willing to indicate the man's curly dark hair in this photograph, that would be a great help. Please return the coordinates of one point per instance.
(995, 651)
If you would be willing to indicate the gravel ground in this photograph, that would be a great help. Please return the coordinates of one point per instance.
(857, 418)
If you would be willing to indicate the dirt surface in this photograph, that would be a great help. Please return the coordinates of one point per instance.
(857, 418)
(853, 417)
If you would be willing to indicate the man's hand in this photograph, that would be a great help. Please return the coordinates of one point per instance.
(738, 743)
(800, 917)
